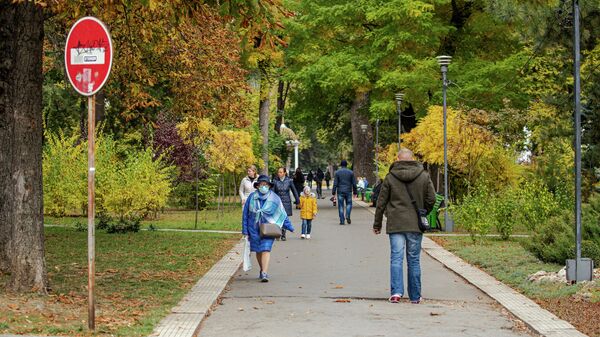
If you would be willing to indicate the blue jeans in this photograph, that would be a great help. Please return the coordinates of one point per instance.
(412, 243)
(347, 197)
(306, 226)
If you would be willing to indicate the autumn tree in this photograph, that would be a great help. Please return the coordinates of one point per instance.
(342, 56)
(21, 206)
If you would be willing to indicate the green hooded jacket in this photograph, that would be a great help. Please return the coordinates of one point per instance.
(394, 201)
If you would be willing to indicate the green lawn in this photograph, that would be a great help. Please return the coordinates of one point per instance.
(510, 263)
(229, 219)
(140, 276)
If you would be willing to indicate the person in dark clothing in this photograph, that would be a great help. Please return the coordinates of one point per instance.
(319, 179)
(327, 178)
(309, 178)
(406, 175)
(283, 185)
(299, 180)
(344, 186)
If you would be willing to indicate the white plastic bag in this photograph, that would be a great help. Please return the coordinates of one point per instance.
(247, 261)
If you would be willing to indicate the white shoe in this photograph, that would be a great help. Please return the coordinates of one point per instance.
(303, 236)
(307, 236)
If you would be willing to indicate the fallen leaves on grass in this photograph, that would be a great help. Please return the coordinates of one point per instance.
(582, 314)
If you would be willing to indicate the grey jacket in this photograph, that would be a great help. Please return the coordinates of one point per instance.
(394, 199)
(344, 181)
(283, 188)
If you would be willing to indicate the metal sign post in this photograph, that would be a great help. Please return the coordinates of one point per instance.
(88, 61)
(91, 211)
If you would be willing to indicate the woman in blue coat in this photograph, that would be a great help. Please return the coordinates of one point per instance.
(263, 206)
(283, 185)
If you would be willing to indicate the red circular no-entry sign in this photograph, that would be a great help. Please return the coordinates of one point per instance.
(88, 55)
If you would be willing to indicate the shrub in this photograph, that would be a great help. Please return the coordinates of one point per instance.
(129, 185)
(64, 175)
(132, 187)
(529, 203)
(536, 204)
(474, 212)
(554, 241)
(506, 206)
(124, 225)
(183, 194)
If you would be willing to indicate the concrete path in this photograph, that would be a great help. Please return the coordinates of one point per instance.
(337, 284)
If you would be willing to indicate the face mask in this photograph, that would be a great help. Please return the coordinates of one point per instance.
(263, 189)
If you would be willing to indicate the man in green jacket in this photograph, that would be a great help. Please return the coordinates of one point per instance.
(402, 222)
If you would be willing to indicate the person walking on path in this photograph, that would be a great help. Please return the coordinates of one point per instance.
(309, 178)
(247, 184)
(360, 187)
(298, 179)
(308, 211)
(282, 186)
(319, 176)
(327, 178)
(344, 186)
(263, 206)
(407, 180)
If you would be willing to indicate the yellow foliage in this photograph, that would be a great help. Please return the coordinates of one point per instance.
(473, 151)
(230, 151)
(196, 131)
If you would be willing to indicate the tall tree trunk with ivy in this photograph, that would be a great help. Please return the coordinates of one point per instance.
(21, 201)
(362, 140)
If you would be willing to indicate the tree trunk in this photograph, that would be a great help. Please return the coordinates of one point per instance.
(100, 111)
(7, 65)
(21, 209)
(263, 121)
(362, 141)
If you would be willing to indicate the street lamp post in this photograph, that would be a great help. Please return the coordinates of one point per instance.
(399, 97)
(295, 144)
(579, 269)
(444, 61)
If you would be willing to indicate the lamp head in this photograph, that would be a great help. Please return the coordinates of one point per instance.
(444, 60)
(399, 96)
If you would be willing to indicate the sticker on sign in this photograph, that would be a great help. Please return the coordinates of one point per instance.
(87, 56)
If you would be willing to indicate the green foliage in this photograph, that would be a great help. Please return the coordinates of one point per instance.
(134, 186)
(554, 240)
(528, 204)
(475, 213)
(183, 194)
(505, 207)
(129, 184)
(64, 175)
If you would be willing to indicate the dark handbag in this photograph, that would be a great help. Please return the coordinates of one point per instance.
(270, 230)
(424, 225)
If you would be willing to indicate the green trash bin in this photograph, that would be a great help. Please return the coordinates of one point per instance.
(432, 217)
(368, 194)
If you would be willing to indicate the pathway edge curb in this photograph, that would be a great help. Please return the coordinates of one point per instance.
(187, 316)
(535, 317)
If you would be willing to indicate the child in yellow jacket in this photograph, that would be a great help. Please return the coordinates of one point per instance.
(308, 211)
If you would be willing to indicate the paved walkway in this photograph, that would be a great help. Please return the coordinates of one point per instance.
(337, 284)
